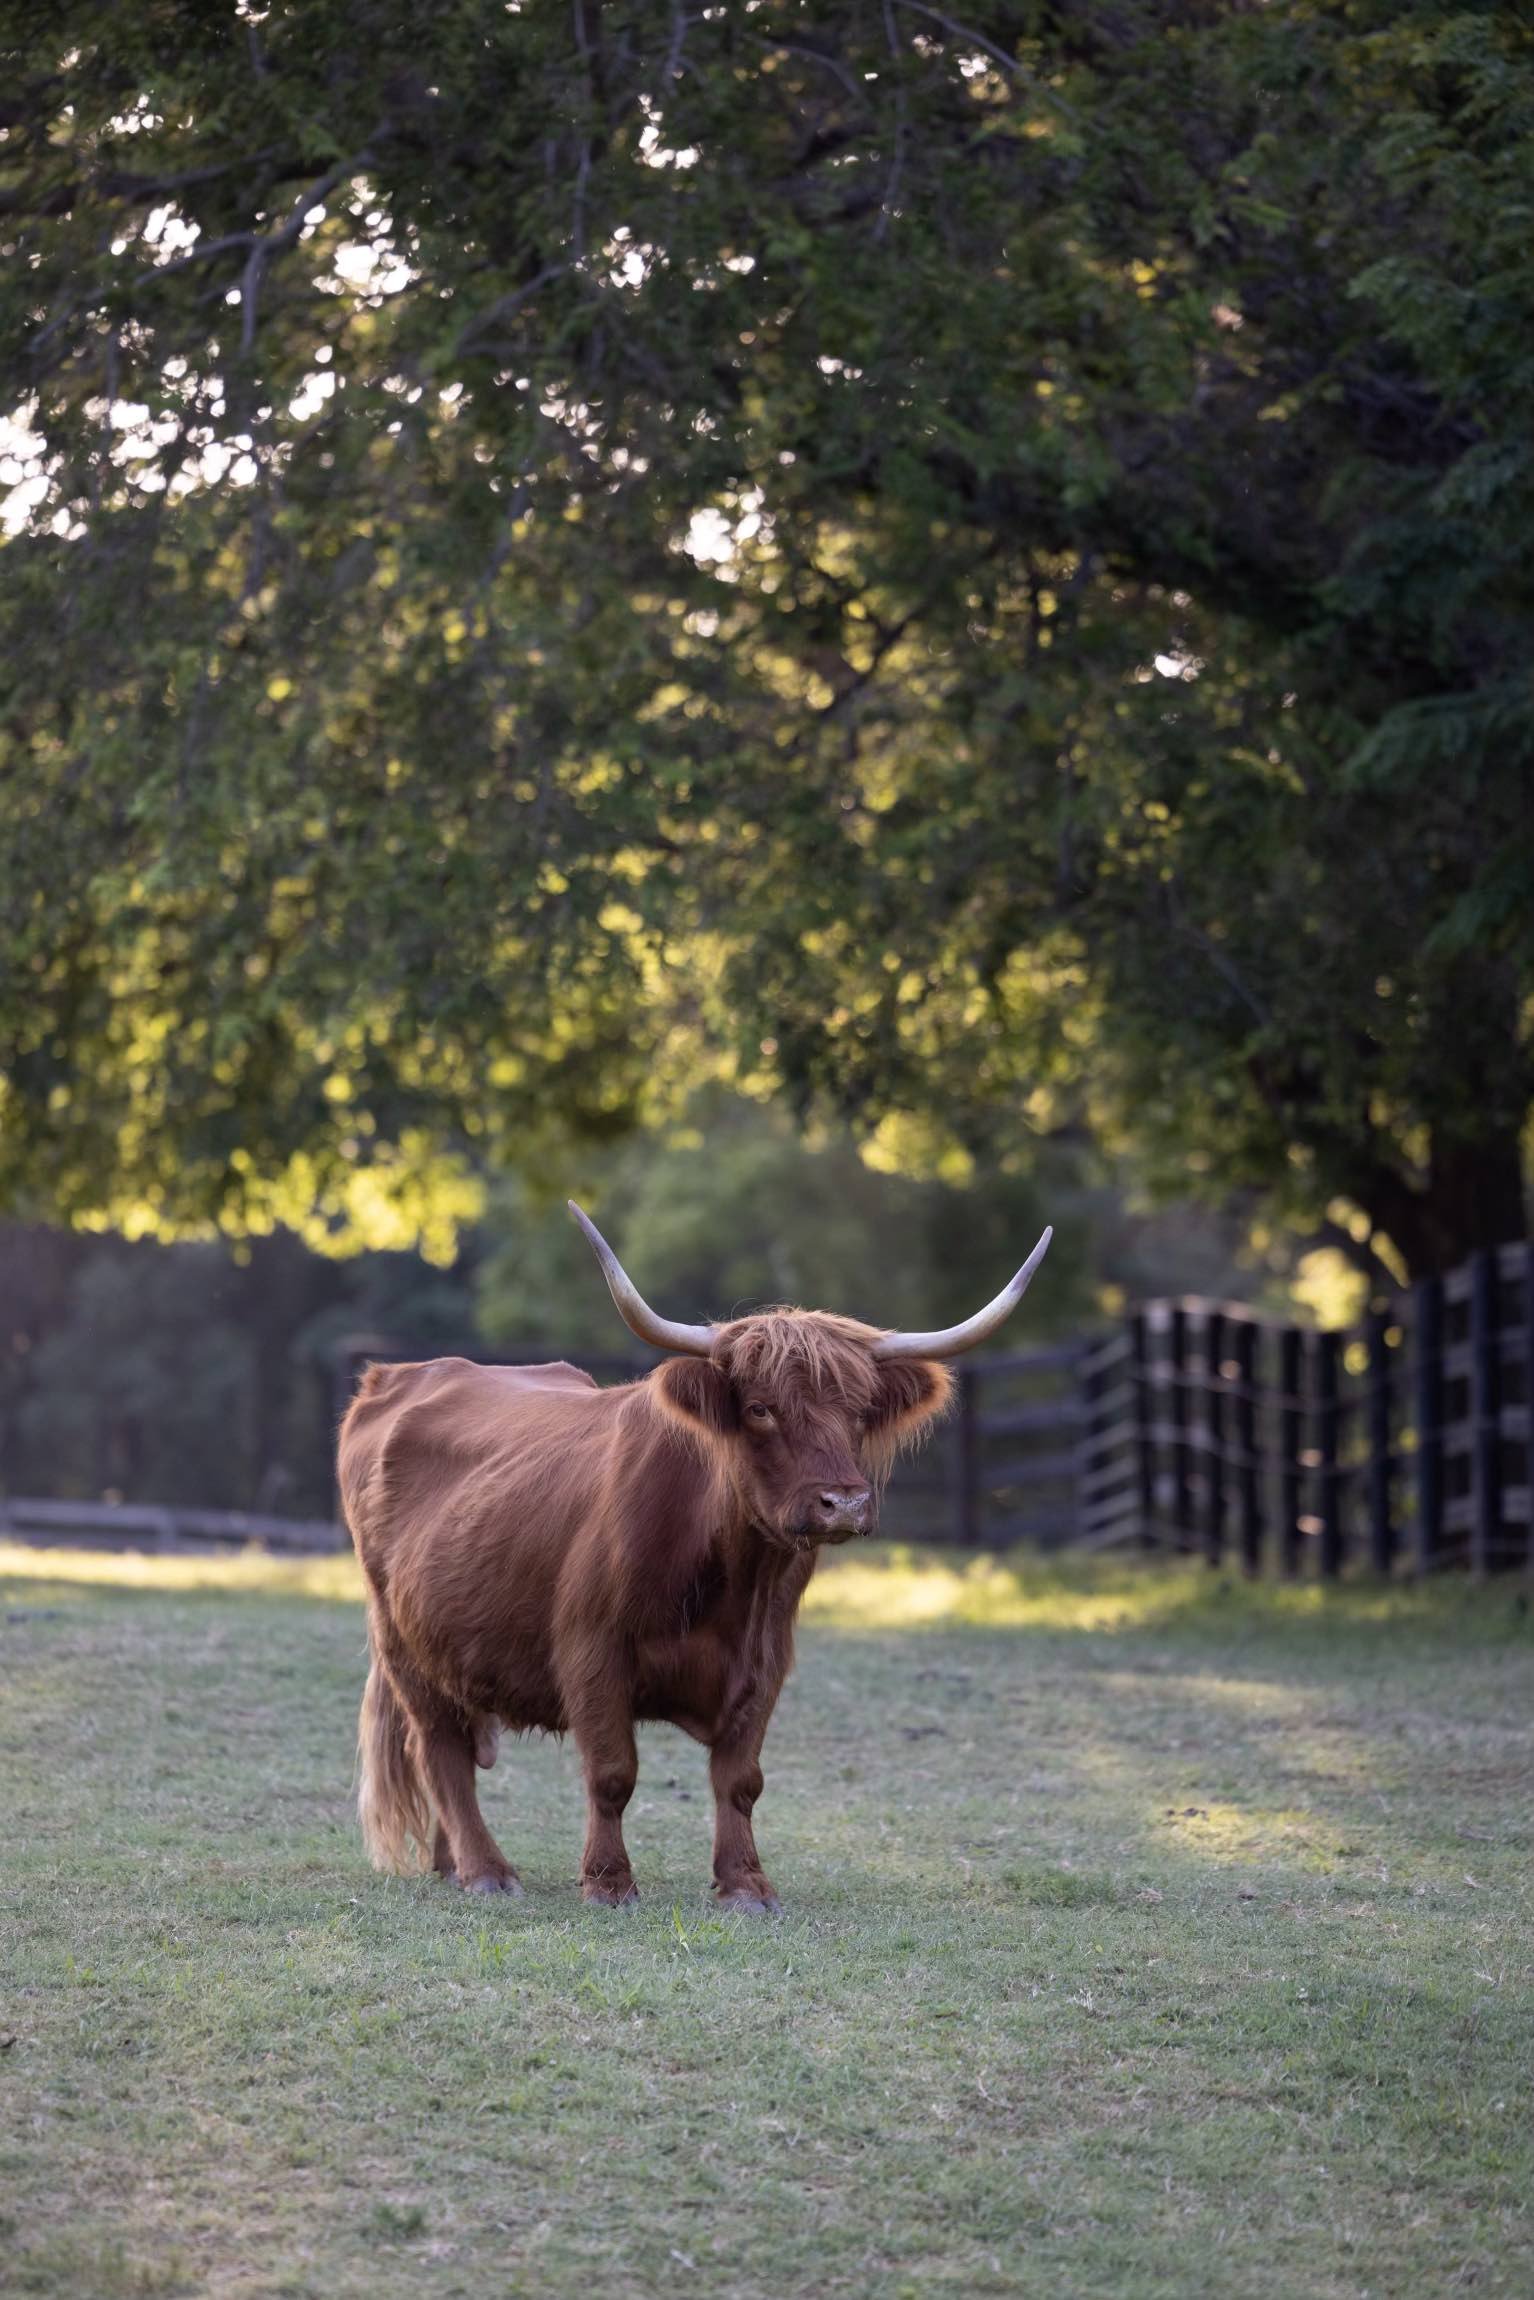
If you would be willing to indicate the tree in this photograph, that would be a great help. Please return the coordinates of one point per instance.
(735, 1211)
(977, 569)
(199, 1373)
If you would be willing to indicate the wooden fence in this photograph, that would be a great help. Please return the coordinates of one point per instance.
(1404, 1443)
(1407, 1440)
(1006, 1466)
(145, 1526)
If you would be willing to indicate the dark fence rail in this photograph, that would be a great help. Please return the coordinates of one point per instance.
(143, 1526)
(1006, 1466)
(1405, 1443)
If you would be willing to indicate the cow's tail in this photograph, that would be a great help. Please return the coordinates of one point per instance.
(392, 1803)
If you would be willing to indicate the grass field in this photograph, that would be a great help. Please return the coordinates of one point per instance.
(1144, 1936)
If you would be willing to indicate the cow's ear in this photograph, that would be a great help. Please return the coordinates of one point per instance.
(696, 1390)
(910, 1393)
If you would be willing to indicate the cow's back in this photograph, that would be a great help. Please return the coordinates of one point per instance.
(449, 1436)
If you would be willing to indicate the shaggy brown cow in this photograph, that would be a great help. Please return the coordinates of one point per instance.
(544, 1554)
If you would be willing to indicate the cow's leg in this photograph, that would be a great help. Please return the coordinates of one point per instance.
(735, 1770)
(604, 1735)
(463, 1845)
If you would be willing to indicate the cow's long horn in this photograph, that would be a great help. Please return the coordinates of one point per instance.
(952, 1341)
(633, 1309)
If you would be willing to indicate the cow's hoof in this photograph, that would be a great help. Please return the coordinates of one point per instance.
(491, 1883)
(602, 1896)
(752, 1904)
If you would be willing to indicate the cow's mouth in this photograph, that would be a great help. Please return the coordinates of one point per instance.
(821, 1536)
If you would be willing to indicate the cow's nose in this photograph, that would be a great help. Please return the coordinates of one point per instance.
(844, 1508)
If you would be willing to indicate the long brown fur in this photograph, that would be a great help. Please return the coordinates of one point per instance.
(545, 1555)
(392, 1803)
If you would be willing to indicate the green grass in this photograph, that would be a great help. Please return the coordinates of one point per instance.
(1145, 1936)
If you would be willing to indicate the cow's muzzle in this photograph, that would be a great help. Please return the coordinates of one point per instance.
(838, 1512)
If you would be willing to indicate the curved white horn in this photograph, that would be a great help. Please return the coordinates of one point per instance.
(633, 1309)
(952, 1341)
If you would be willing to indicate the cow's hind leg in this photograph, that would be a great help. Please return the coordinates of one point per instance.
(487, 1734)
(463, 1846)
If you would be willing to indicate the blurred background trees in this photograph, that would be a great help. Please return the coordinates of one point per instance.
(966, 577)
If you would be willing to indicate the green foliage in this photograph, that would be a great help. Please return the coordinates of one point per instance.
(180, 1374)
(120, 1373)
(970, 569)
(738, 1211)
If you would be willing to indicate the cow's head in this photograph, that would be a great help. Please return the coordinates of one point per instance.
(809, 1410)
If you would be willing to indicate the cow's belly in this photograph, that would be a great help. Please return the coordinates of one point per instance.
(480, 1632)
(684, 1681)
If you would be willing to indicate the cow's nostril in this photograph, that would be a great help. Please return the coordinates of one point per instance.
(830, 1503)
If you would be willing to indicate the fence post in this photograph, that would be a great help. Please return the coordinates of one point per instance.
(1485, 1414)
(1427, 1343)
(1248, 1487)
(1528, 1407)
(1145, 1444)
(1088, 1375)
(1291, 1416)
(1328, 1349)
(1214, 1433)
(967, 1499)
(1182, 1504)
(1381, 1461)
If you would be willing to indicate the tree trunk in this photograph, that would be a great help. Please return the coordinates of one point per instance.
(1477, 1194)
(1474, 1197)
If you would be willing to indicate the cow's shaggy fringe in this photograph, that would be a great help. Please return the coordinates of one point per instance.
(786, 1347)
(392, 1803)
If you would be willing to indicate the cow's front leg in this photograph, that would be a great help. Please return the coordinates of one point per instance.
(605, 1737)
(739, 1879)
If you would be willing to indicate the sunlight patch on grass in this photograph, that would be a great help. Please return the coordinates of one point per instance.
(252, 1571)
(884, 1587)
(901, 1588)
(896, 1586)
(887, 1586)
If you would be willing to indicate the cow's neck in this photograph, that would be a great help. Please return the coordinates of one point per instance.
(763, 1579)
(700, 1558)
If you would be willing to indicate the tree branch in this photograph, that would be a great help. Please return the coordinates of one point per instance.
(1009, 64)
(275, 243)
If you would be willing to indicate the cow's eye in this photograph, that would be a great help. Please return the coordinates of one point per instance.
(758, 1413)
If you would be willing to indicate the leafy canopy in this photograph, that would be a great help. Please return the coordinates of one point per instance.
(978, 571)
